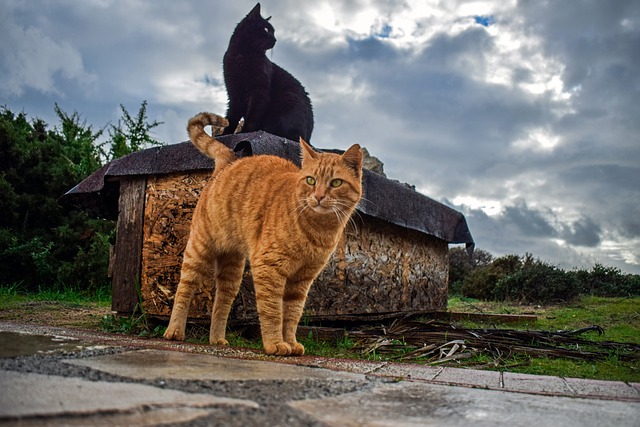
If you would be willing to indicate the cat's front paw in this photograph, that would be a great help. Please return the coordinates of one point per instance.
(220, 341)
(297, 349)
(278, 349)
(173, 333)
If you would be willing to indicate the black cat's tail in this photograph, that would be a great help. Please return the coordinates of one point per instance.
(209, 145)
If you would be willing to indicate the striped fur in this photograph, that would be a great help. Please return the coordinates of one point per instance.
(222, 155)
(287, 221)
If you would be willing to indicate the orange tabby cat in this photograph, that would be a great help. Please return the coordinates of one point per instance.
(286, 220)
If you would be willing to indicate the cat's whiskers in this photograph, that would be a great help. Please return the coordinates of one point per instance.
(364, 200)
(301, 206)
(352, 220)
(349, 218)
(339, 211)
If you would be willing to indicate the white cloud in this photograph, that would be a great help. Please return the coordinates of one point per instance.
(181, 89)
(33, 60)
(538, 139)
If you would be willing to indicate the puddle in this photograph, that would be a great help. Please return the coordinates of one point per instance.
(13, 344)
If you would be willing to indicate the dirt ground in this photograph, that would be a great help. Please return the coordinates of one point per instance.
(54, 313)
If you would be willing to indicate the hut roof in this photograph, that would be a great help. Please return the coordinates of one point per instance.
(385, 199)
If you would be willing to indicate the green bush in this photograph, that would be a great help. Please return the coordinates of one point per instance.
(41, 243)
(536, 282)
(528, 280)
(603, 281)
(461, 265)
(481, 281)
(44, 246)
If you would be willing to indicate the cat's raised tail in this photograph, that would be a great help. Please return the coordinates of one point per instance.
(209, 145)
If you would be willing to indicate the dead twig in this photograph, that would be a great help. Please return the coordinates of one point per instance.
(438, 342)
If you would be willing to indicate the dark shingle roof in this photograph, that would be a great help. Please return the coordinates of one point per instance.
(383, 198)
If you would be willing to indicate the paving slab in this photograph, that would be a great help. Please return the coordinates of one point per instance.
(469, 377)
(408, 371)
(408, 404)
(539, 384)
(40, 397)
(159, 364)
(598, 388)
(355, 366)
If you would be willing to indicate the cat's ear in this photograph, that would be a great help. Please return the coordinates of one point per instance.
(306, 151)
(255, 12)
(353, 158)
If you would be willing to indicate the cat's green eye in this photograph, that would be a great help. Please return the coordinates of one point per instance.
(336, 183)
(311, 180)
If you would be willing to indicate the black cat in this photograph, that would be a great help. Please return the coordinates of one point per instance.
(268, 97)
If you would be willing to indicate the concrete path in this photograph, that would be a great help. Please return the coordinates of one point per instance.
(56, 376)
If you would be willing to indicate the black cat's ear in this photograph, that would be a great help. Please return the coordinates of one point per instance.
(306, 151)
(243, 149)
(353, 158)
(255, 12)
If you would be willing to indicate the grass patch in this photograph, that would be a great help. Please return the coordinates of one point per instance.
(610, 369)
(66, 307)
(14, 295)
(619, 317)
(343, 348)
(135, 324)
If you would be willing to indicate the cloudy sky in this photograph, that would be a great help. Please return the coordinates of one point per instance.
(525, 116)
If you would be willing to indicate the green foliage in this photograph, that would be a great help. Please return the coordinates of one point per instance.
(135, 324)
(529, 280)
(481, 281)
(12, 296)
(608, 282)
(78, 145)
(138, 323)
(461, 265)
(343, 348)
(135, 135)
(536, 282)
(40, 241)
(42, 244)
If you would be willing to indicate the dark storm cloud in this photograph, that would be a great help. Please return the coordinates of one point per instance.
(505, 240)
(529, 222)
(598, 44)
(629, 225)
(584, 232)
(601, 176)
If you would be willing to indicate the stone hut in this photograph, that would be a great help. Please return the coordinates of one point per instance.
(393, 258)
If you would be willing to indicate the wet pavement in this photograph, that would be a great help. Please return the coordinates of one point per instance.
(57, 376)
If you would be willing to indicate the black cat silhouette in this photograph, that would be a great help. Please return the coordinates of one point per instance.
(267, 96)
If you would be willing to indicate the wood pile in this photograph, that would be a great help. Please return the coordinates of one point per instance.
(437, 342)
